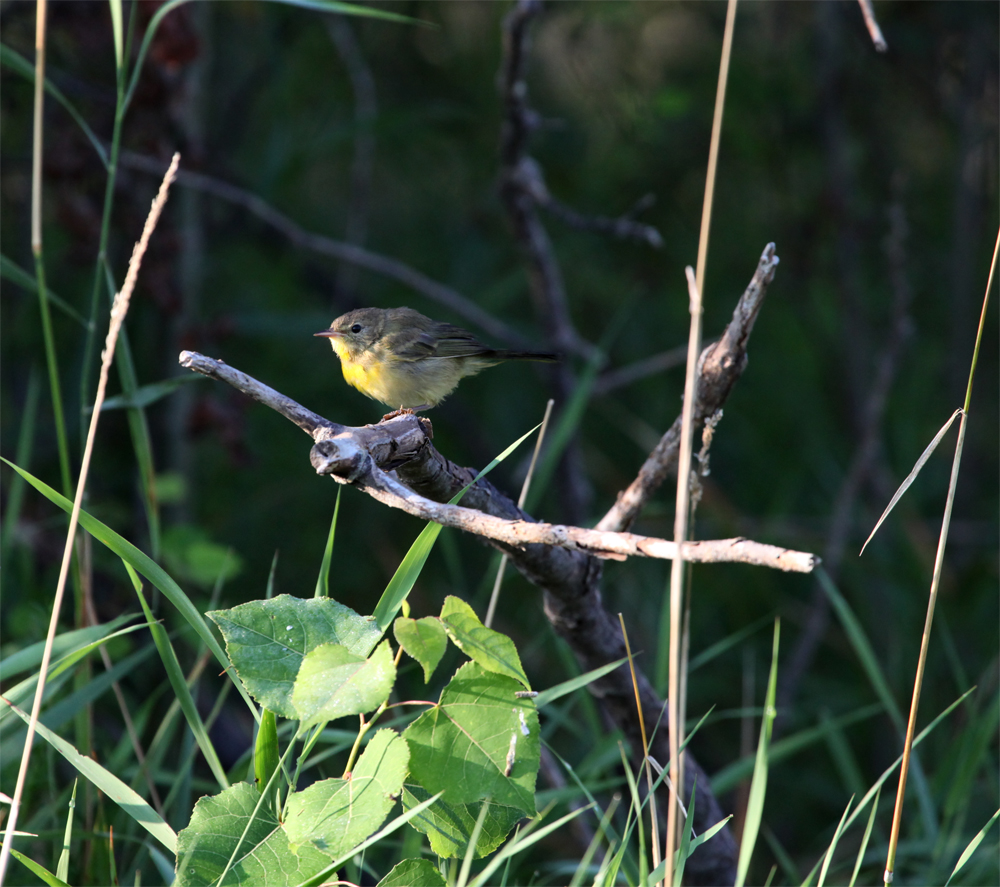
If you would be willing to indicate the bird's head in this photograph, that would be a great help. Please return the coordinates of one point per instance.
(354, 333)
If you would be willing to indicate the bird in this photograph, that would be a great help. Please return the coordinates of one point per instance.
(406, 360)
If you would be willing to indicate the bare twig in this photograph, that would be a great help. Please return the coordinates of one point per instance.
(336, 249)
(118, 312)
(623, 227)
(521, 185)
(640, 369)
(365, 111)
(721, 364)
(874, 31)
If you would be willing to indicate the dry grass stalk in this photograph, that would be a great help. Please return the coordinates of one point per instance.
(118, 311)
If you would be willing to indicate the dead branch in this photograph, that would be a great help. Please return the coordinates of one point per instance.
(336, 249)
(874, 31)
(356, 456)
(720, 365)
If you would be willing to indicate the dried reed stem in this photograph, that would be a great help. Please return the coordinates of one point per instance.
(918, 681)
(118, 312)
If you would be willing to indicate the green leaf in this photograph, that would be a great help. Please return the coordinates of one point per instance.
(39, 871)
(335, 815)
(413, 871)
(224, 823)
(333, 682)
(267, 641)
(324, 876)
(449, 827)
(132, 803)
(423, 639)
(479, 741)
(265, 754)
(493, 651)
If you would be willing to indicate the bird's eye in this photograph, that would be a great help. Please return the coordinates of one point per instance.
(356, 328)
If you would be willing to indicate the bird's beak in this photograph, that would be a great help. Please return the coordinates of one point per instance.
(330, 334)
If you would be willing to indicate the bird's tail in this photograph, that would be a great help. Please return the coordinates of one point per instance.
(544, 356)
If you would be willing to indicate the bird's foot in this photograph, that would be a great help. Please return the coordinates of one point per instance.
(402, 411)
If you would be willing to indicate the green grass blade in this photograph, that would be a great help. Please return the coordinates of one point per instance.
(62, 867)
(323, 581)
(828, 856)
(16, 62)
(727, 643)
(971, 848)
(864, 840)
(565, 428)
(145, 395)
(758, 785)
(921, 736)
(177, 680)
(132, 803)
(25, 444)
(732, 774)
(145, 566)
(470, 850)
(409, 569)
(524, 840)
(912, 476)
(10, 270)
(869, 662)
(38, 871)
(684, 850)
(551, 694)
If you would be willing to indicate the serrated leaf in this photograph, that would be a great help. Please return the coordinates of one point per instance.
(267, 641)
(423, 639)
(413, 871)
(479, 741)
(449, 827)
(493, 651)
(333, 682)
(220, 824)
(335, 815)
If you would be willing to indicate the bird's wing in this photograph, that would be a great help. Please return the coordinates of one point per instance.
(440, 340)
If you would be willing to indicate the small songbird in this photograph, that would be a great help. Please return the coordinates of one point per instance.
(406, 360)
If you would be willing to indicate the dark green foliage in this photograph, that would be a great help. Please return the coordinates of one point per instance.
(836, 153)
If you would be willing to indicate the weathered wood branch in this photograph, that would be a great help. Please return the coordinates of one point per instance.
(719, 367)
(356, 456)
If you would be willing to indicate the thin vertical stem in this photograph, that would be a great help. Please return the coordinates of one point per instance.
(683, 501)
(51, 358)
(904, 769)
(491, 609)
(713, 149)
(118, 312)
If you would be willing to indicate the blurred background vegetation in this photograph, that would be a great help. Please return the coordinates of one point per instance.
(875, 175)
